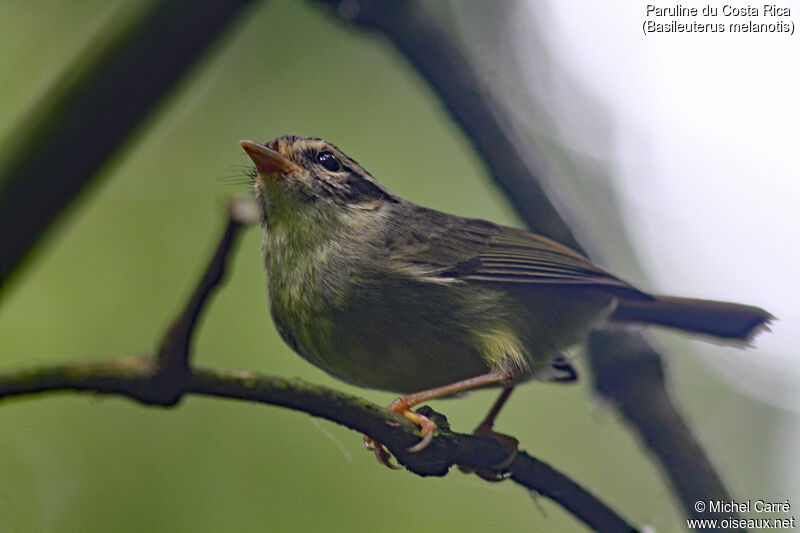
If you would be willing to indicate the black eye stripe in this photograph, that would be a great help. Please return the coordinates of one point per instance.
(346, 182)
(356, 187)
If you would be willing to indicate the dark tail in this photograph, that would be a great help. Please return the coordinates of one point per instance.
(721, 319)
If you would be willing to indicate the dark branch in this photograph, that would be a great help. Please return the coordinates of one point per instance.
(639, 391)
(163, 379)
(532, 472)
(438, 58)
(135, 378)
(91, 110)
(433, 52)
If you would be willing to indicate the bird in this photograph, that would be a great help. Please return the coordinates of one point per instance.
(386, 294)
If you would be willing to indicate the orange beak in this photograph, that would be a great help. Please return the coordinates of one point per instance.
(268, 161)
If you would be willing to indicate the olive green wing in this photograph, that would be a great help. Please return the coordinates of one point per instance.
(477, 250)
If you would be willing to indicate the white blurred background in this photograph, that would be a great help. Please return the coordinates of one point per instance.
(677, 151)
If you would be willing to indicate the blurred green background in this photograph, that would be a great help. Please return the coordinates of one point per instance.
(118, 265)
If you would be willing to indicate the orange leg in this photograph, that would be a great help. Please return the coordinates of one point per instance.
(404, 404)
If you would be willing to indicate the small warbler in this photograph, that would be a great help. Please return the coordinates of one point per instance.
(386, 294)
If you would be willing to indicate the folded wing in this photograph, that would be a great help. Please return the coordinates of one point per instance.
(480, 251)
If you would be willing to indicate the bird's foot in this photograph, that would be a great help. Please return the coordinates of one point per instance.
(501, 470)
(427, 426)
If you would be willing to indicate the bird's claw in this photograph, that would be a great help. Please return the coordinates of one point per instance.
(382, 455)
(427, 426)
(501, 470)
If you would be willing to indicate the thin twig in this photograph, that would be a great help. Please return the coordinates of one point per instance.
(175, 349)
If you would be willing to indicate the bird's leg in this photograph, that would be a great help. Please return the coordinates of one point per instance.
(404, 404)
(485, 429)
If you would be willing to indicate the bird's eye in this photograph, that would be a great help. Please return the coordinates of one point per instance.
(329, 161)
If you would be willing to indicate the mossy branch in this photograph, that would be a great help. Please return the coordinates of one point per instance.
(138, 378)
(164, 378)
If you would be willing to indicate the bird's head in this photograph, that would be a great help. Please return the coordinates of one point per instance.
(296, 174)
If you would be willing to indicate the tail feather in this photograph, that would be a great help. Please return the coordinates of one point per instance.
(721, 319)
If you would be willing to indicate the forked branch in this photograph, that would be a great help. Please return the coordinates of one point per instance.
(162, 379)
